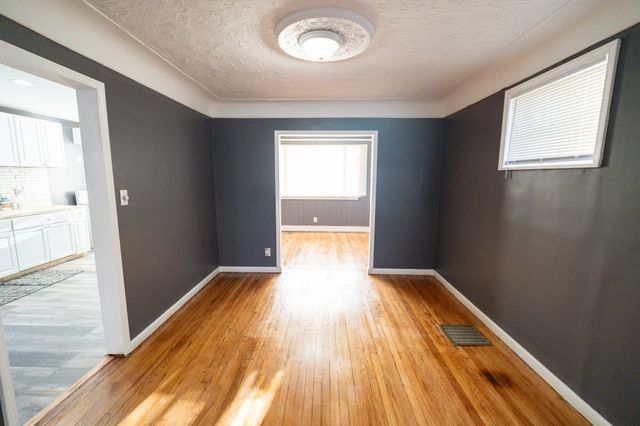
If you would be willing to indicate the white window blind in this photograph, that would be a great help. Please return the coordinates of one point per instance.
(556, 119)
(323, 168)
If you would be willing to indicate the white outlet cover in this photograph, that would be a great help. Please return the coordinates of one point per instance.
(267, 252)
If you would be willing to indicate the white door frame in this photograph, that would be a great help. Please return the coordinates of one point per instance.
(92, 109)
(372, 184)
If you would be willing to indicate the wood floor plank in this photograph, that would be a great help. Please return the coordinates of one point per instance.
(322, 343)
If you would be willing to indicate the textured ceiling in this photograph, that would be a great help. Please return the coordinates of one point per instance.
(420, 48)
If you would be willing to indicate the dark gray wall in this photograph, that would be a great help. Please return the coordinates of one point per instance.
(553, 256)
(407, 187)
(65, 181)
(329, 212)
(161, 153)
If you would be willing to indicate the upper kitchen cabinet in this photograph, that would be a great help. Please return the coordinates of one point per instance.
(52, 144)
(8, 148)
(29, 142)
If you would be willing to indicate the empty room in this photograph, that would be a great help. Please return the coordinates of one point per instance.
(287, 212)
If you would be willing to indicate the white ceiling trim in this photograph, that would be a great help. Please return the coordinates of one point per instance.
(327, 109)
(605, 21)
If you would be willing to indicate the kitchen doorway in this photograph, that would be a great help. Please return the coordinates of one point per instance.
(60, 234)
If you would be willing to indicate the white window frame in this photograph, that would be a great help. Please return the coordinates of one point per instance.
(611, 49)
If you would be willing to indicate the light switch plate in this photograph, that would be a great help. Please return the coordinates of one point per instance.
(124, 197)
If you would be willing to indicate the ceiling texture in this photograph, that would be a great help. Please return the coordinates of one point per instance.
(420, 48)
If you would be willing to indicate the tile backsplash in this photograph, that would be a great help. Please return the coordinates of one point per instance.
(34, 180)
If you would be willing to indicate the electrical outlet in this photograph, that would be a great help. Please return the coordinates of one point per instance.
(267, 252)
(315, 219)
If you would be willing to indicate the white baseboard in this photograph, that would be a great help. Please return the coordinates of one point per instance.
(136, 341)
(319, 228)
(249, 269)
(565, 391)
(392, 271)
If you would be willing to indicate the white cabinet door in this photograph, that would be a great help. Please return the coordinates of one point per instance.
(28, 141)
(8, 261)
(8, 148)
(52, 144)
(83, 239)
(31, 247)
(60, 240)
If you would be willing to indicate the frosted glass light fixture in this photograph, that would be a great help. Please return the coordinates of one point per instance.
(325, 34)
(320, 45)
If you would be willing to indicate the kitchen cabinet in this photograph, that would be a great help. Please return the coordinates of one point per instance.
(83, 235)
(31, 247)
(8, 148)
(51, 144)
(60, 240)
(32, 240)
(29, 142)
(8, 260)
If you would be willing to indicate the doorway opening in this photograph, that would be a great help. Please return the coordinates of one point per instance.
(62, 302)
(325, 198)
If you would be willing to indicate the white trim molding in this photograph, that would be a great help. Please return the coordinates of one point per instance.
(558, 385)
(325, 108)
(395, 271)
(252, 269)
(323, 228)
(151, 328)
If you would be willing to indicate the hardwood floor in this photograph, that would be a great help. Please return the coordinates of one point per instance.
(321, 343)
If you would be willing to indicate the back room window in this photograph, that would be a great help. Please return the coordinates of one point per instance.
(559, 119)
(320, 165)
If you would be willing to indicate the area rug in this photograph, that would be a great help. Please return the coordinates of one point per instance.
(23, 286)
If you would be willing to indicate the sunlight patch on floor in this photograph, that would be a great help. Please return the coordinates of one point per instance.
(252, 402)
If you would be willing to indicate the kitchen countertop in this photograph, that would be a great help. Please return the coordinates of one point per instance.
(11, 214)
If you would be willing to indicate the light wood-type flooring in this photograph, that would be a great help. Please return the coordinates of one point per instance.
(321, 343)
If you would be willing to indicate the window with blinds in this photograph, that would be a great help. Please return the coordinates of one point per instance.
(323, 166)
(558, 119)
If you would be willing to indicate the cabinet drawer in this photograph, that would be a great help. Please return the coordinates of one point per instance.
(40, 220)
(5, 225)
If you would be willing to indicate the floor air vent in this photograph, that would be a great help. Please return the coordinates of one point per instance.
(464, 335)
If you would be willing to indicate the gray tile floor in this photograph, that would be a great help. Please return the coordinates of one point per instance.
(54, 337)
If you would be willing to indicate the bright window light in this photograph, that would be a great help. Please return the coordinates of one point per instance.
(559, 119)
(320, 170)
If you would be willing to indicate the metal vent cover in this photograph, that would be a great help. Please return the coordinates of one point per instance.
(464, 335)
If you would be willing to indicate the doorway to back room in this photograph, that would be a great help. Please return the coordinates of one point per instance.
(325, 198)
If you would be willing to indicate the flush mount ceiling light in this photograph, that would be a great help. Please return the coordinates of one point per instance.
(326, 34)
